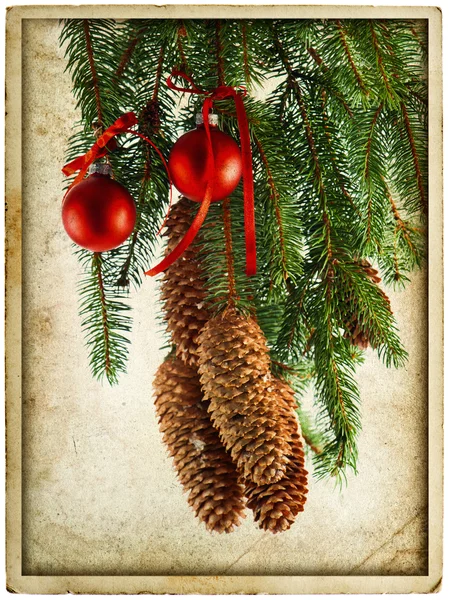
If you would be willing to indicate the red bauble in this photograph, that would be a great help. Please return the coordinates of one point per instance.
(99, 213)
(187, 164)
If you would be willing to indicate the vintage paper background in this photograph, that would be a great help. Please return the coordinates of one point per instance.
(99, 495)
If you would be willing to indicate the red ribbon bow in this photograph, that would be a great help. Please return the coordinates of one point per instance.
(219, 93)
(99, 149)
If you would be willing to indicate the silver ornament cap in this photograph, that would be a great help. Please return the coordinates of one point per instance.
(213, 119)
(100, 168)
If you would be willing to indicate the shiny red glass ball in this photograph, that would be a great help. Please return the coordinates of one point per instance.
(187, 164)
(98, 213)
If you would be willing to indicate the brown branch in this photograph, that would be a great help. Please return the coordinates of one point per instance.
(310, 140)
(366, 170)
(126, 56)
(350, 59)
(180, 34)
(232, 293)
(312, 446)
(331, 350)
(96, 258)
(380, 61)
(274, 195)
(317, 58)
(339, 460)
(245, 55)
(345, 192)
(157, 80)
(415, 33)
(300, 309)
(219, 53)
(411, 140)
(370, 139)
(93, 70)
(400, 225)
(292, 370)
(397, 272)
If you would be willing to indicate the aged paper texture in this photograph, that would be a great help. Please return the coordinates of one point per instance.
(93, 501)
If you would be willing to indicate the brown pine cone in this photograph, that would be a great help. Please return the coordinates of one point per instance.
(183, 291)
(234, 369)
(150, 119)
(204, 468)
(275, 506)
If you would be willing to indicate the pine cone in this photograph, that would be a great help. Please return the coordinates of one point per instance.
(234, 369)
(358, 333)
(204, 468)
(182, 288)
(150, 119)
(276, 505)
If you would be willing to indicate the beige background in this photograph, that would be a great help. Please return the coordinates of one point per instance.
(99, 493)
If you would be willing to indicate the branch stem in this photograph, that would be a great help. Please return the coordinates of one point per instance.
(93, 70)
(350, 59)
(232, 293)
(126, 56)
(96, 260)
(219, 52)
(411, 140)
(245, 55)
(274, 195)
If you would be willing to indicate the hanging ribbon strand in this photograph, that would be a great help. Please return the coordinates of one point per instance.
(220, 93)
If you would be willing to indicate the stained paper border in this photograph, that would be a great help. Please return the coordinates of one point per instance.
(16, 582)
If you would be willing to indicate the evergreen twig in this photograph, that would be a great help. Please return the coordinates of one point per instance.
(340, 176)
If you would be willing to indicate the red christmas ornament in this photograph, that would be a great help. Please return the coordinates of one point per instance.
(187, 163)
(98, 213)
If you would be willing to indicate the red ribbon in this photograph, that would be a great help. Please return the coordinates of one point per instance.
(99, 150)
(219, 93)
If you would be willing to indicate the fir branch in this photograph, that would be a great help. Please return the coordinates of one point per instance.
(157, 79)
(96, 263)
(214, 259)
(339, 164)
(404, 243)
(320, 62)
(318, 172)
(397, 272)
(104, 318)
(103, 315)
(134, 39)
(419, 39)
(93, 70)
(274, 195)
(338, 394)
(330, 140)
(123, 279)
(310, 139)
(349, 57)
(219, 54)
(400, 223)
(411, 140)
(371, 308)
(366, 171)
(228, 251)
(246, 69)
(380, 62)
(182, 32)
